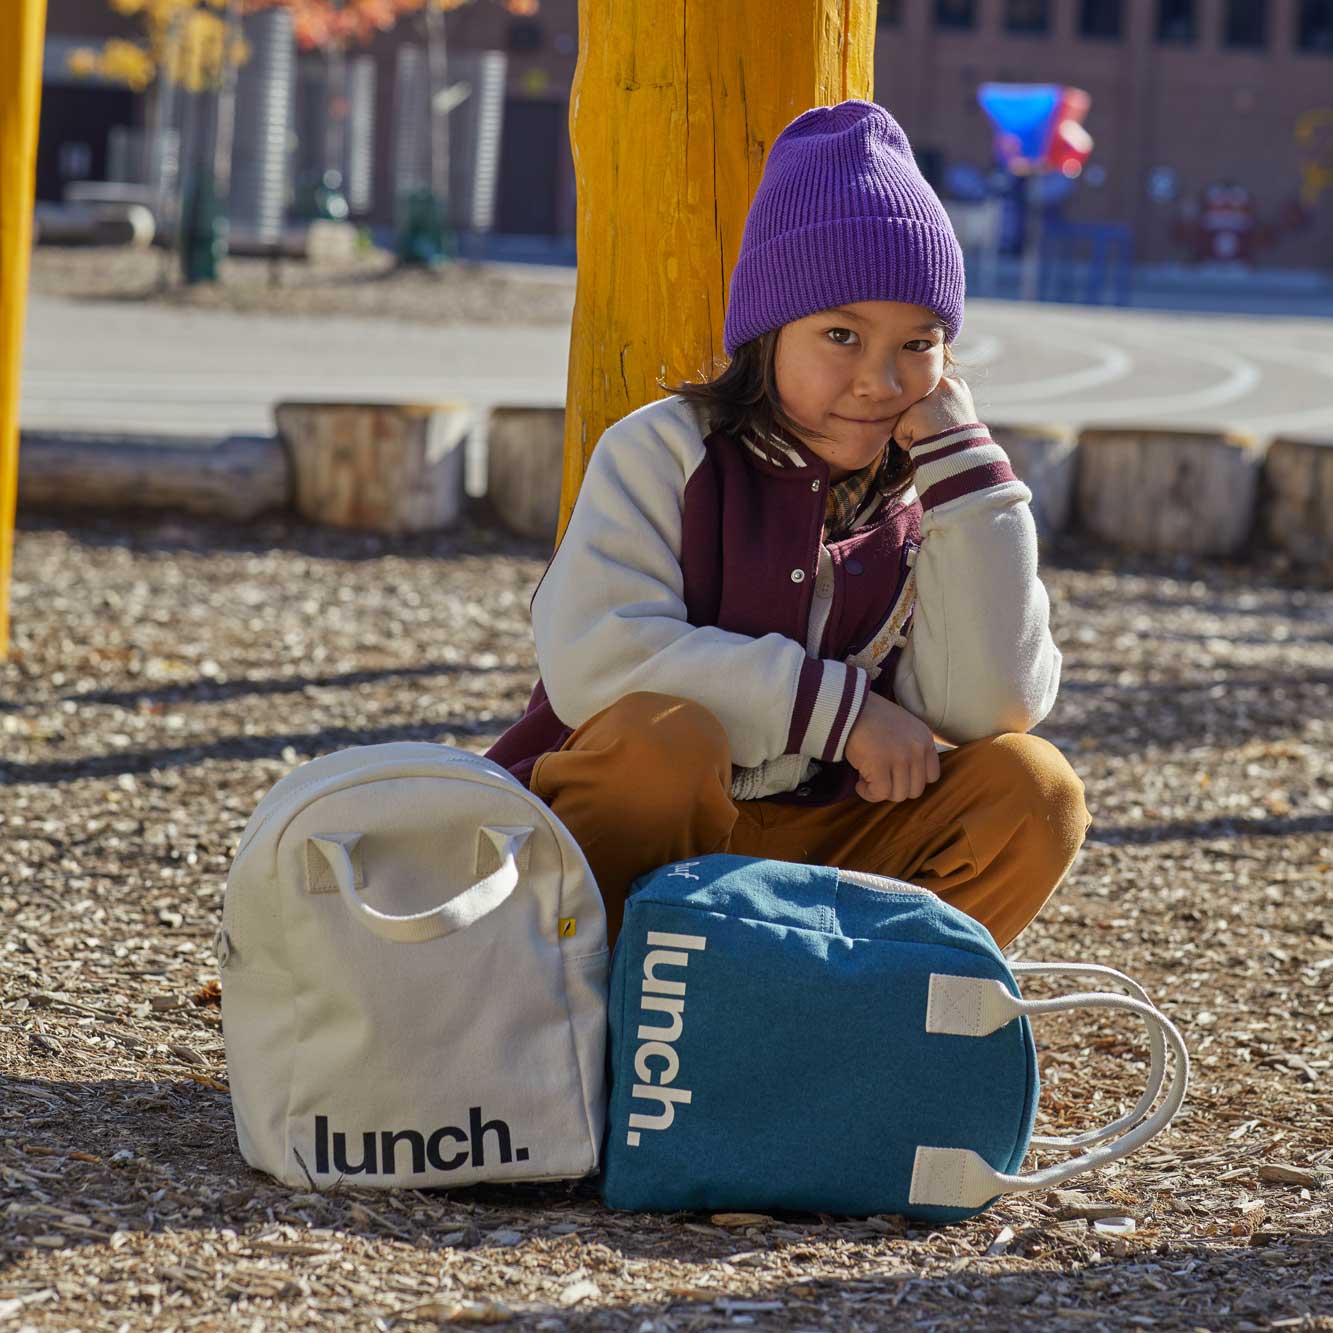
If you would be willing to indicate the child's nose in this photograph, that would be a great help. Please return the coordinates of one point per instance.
(881, 382)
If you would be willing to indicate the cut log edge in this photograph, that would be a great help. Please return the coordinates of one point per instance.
(237, 478)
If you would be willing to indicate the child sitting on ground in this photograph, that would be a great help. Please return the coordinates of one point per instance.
(776, 585)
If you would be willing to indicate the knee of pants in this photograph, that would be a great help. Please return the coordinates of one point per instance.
(674, 751)
(1032, 771)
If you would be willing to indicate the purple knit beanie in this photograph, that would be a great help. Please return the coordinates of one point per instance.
(842, 214)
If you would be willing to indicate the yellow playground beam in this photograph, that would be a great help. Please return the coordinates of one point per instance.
(22, 25)
(672, 110)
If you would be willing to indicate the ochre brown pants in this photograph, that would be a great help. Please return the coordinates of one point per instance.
(648, 781)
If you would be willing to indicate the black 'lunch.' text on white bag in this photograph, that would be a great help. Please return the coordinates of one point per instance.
(414, 963)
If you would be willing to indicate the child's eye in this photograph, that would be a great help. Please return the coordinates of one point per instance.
(922, 344)
(835, 334)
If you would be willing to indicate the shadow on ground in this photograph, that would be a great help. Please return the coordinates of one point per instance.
(87, 1161)
(325, 741)
(179, 533)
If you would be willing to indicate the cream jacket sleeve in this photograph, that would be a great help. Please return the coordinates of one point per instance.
(980, 659)
(609, 617)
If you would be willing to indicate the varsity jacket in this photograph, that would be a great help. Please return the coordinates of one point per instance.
(694, 565)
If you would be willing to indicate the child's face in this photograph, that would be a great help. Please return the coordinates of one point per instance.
(849, 374)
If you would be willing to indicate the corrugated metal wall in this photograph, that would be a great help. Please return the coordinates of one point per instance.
(359, 173)
(474, 132)
(260, 177)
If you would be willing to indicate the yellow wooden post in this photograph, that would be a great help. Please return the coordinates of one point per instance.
(674, 105)
(22, 24)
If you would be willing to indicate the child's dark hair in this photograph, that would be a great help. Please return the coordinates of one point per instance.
(742, 398)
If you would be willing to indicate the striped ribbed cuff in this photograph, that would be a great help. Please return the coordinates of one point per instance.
(829, 699)
(958, 462)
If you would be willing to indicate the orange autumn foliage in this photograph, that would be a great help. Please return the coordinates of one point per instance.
(192, 40)
(321, 23)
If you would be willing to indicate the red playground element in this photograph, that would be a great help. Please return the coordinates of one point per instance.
(1038, 127)
(1070, 144)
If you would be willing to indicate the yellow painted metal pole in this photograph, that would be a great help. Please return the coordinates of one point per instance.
(22, 24)
(673, 107)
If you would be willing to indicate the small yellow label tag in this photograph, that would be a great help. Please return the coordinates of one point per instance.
(568, 926)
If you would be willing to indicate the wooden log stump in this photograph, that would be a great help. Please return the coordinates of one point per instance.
(524, 469)
(1043, 459)
(377, 466)
(1168, 492)
(236, 479)
(1297, 497)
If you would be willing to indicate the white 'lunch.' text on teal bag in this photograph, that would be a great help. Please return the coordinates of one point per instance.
(414, 968)
(794, 1036)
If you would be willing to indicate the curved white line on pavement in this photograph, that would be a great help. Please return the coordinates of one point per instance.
(1305, 419)
(1319, 417)
(1242, 377)
(1114, 364)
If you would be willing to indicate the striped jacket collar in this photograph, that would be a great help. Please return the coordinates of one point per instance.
(775, 451)
(853, 500)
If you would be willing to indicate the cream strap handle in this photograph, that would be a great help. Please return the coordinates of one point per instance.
(1156, 1046)
(459, 912)
(976, 1007)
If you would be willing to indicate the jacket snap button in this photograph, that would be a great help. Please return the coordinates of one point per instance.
(814, 485)
(798, 576)
(852, 566)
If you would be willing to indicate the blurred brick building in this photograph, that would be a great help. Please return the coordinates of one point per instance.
(376, 100)
(1185, 94)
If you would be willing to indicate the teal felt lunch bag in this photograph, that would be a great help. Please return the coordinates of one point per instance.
(799, 1037)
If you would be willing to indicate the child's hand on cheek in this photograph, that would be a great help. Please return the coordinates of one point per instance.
(948, 405)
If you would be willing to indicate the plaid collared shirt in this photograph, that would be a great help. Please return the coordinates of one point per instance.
(848, 497)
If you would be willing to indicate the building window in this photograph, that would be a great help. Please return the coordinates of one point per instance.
(889, 14)
(954, 13)
(1314, 30)
(1176, 22)
(1246, 23)
(1099, 18)
(1027, 15)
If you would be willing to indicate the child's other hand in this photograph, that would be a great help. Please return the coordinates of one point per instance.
(893, 752)
(947, 405)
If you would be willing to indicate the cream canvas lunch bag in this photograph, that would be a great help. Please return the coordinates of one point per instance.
(413, 959)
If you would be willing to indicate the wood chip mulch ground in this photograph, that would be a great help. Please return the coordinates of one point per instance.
(164, 675)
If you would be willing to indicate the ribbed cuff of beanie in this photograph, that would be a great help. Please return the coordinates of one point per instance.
(838, 263)
(958, 462)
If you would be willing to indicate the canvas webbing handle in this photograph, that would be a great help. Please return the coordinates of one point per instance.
(975, 1006)
(1156, 1047)
(459, 912)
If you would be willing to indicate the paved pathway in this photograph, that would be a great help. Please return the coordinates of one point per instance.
(155, 370)
(139, 369)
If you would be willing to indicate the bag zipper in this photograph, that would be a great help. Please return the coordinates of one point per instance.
(882, 883)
